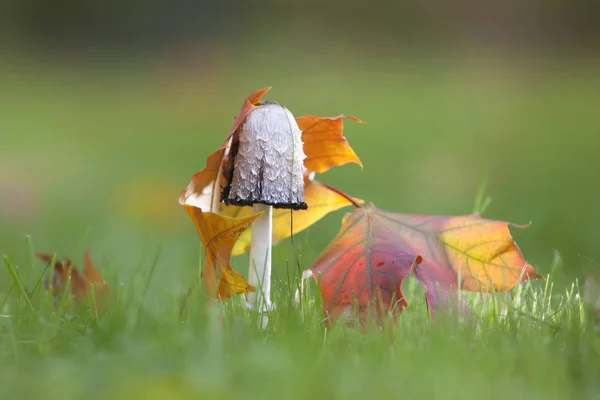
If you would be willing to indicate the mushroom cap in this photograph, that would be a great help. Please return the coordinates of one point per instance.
(268, 166)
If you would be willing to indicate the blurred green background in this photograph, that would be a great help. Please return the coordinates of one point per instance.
(107, 109)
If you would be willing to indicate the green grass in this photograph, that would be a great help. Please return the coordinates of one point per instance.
(533, 343)
(97, 158)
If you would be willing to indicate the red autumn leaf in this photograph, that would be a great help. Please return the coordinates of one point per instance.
(375, 250)
(81, 284)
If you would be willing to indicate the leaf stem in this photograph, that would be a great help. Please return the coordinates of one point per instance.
(344, 195)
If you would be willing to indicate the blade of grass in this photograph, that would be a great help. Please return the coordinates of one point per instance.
(481, 200)
(94, 304)
(151, 272)
(30, 253)
(15, 274)
(140, 302)
(38, 285)
(137, 271)
(80, 245)
(7, 296)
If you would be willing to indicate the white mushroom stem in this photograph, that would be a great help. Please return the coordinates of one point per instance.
(259, 272)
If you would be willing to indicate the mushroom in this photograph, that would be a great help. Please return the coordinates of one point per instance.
(268, 171)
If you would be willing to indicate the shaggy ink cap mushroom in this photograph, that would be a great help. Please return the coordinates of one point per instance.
(269, 165)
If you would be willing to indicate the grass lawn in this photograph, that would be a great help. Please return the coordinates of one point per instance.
(98, 158)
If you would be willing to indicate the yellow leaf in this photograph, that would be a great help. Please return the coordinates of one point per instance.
(218, 235)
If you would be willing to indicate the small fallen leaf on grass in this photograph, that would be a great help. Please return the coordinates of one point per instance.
(365, 264)
(81, 283)
(218, 235)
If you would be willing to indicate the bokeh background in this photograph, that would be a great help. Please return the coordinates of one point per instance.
(108, 107)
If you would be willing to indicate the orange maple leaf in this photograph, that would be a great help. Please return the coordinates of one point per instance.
(81, 284)
(373, 252)
(218, 235)
(324, 143)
